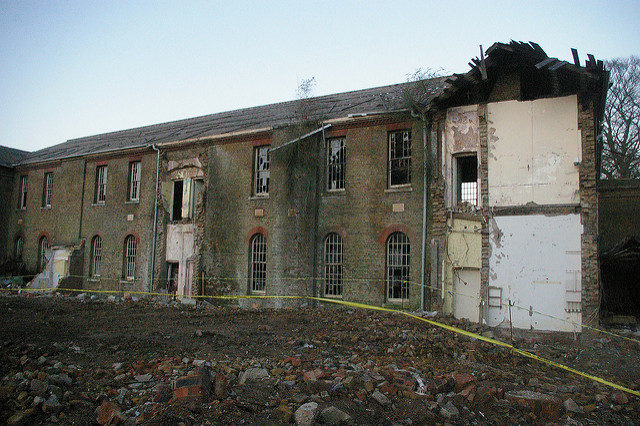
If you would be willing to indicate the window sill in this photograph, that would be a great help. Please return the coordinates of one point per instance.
(127, 281)
(334, 192)
(97, 204)
(326, 296)
(397, 301)
(403, 188)
(45, 208)
(258, 293)
(93, 279)
(259, 197)
(132, 202)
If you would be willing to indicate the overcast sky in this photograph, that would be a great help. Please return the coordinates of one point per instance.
(76, 68)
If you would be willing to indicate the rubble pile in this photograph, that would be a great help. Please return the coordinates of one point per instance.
(130, 363)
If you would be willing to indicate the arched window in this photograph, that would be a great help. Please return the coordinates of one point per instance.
(96, 256)
(19, 247)
(43, 248)
(130, 250)
(398, 257)
(333, 265)
(258, 263)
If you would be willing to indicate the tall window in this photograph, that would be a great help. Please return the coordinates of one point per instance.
(22, 202)
(261, 171)
(43, 248)
(96, 256)
(335, 163)
(333, 265)
(47, 189)
(399, 167)
(398, 256)
(258, 263)
(134, 181)
(130, 250)
(467, 179)
(19, 247)
(101, 185)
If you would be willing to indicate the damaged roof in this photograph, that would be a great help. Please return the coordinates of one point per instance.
(385, 99)
(11, 156)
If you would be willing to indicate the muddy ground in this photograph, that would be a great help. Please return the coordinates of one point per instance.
(82, 360)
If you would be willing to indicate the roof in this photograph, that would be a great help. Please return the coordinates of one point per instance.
(11, 156)
(385, 99)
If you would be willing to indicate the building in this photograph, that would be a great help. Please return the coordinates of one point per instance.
(459, 193)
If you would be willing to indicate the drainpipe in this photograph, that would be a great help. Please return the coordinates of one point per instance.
(155, 219)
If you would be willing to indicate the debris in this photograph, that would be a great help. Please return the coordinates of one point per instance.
(544, 406)
(334, 416)
(252, 374)
(380, 397)
(306, 414)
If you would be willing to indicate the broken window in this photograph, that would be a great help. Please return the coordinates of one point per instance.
(335, 163)
(101, 185)
(96, 256)
(398, 257)
(19, 247)
(134, 181)
(47, 189)
(467, 179)
(261, 171)
(333, 265)
(130, 249)
(176, 210)
(258, 263)
(22, 202)
(172, 277)
(399, 167)
(185, 198)
(43, 249)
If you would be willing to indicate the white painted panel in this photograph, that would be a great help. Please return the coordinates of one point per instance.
(532, 148)
(466, 299)
(535, 260)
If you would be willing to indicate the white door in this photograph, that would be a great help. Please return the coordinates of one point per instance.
(466, 294)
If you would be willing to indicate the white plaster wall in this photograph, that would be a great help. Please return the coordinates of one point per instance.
(535, 259)
(532, 148)
(460, 135)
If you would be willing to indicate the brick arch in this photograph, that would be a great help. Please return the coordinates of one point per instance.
(124, 237)
(44, 234)
(255, 230)
(386, 232)
(335, 230)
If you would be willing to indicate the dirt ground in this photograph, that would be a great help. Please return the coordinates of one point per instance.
(81, 360)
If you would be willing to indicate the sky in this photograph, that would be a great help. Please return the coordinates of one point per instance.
(76, 68)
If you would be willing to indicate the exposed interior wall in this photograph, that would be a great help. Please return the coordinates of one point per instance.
(536, 262)
(462, 259)
(532, 148)
(619, 212)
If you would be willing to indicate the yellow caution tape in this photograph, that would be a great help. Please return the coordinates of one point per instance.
(450, 328)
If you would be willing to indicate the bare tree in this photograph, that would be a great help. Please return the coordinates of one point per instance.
(621, 132)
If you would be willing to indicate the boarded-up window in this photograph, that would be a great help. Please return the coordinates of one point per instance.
(258, 263)
(398, 257)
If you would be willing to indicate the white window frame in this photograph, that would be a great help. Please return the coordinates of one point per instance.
(22, 202)
(43, 247)
(333, 269)
(458, 187)
(47, 189)
(19, 248)
(135, 170)
(130, 252)
(258, 264)
(398, 253)
(403, 158)
(96, 256)
(101, 185)
(261, 170)
(336, 163)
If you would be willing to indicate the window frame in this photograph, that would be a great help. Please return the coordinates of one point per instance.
(457, 178)
(333, 266)
(22, 194)
(47, 190)
(43, 246)
(95, 262)
(134, 186)
(129, 259)
(405, 275)
(337, 169)
(259, 174)
(406, 157)
(258, 258)
(18, 250)
(100, 192)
